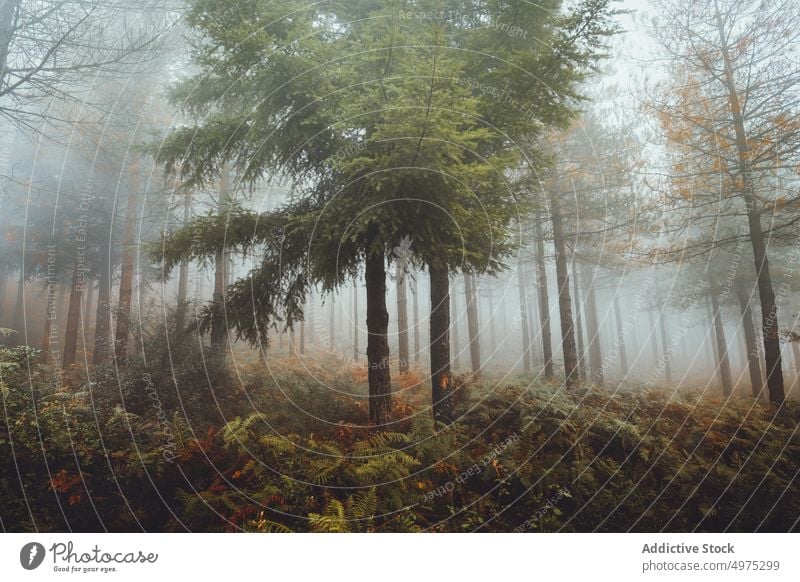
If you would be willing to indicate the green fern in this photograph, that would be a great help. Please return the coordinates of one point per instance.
(356, 515)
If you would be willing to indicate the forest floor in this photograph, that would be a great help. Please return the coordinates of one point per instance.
(286, 448)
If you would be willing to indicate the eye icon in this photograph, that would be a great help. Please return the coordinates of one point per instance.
(31, 555)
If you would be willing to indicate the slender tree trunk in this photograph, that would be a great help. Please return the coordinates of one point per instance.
(88, 307)
(531, 307)
(766, 293)
(455, 345)
(751, 345)
(722, 343)
(126, 275)
(16, 339)
(183, 273)
(712, 341)
(662, 321)
(796, 356)
(769, 311)
(380, 383)
(523, 318)
(332, 323)
(201, 284)
(46, 337)
(504, 318)
(402, 317)
(62, 302)
(303, 331)
(653, 335)
(351, 315)
(73, 317)
(623, 355)
(183, 270)
(571, 376)
(714, 346)
(593, 332)
(544, 299)
(293, 343)
(340, 317)
(102, 316)
(3, 287)
(581, 352)
(473, 322)
(441, 376)
(50, 316)
(355, 320)
(310, 316)
(219, 332)
(415, 294)
(492, 325)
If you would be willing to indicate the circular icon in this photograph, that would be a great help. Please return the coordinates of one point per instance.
(31, 555)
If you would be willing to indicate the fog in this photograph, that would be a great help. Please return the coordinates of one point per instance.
(352, 227)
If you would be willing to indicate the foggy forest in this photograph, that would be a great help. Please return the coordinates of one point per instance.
(399, 265)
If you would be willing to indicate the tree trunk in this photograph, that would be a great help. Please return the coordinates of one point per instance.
(73, 317)
(183, 277)
(712, 337)
(126, 275)
(653, 335)
(50, 316)
(769, 308)
(16, 339)
(523, 318)
(571, 377)
(441, 377)
(623, 355)
(340, 319)
(3, 286)
(751, 345)
(796, 356)
(531, 306)
(473, 322)
(183, 272)
(332, 323)
(662, 322)
(219, 332)
(303, 331)
(102, 317)
(309, 314)
(455, 346)
(415, 294)
(544, 299)
(593, 332)
(355, 320)
(492, 325)
(504, 318)
(769, 314)
(581, 354)
(293, 342)
(380, 383)
(88, 305)
(402, 317)
(721, 343)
